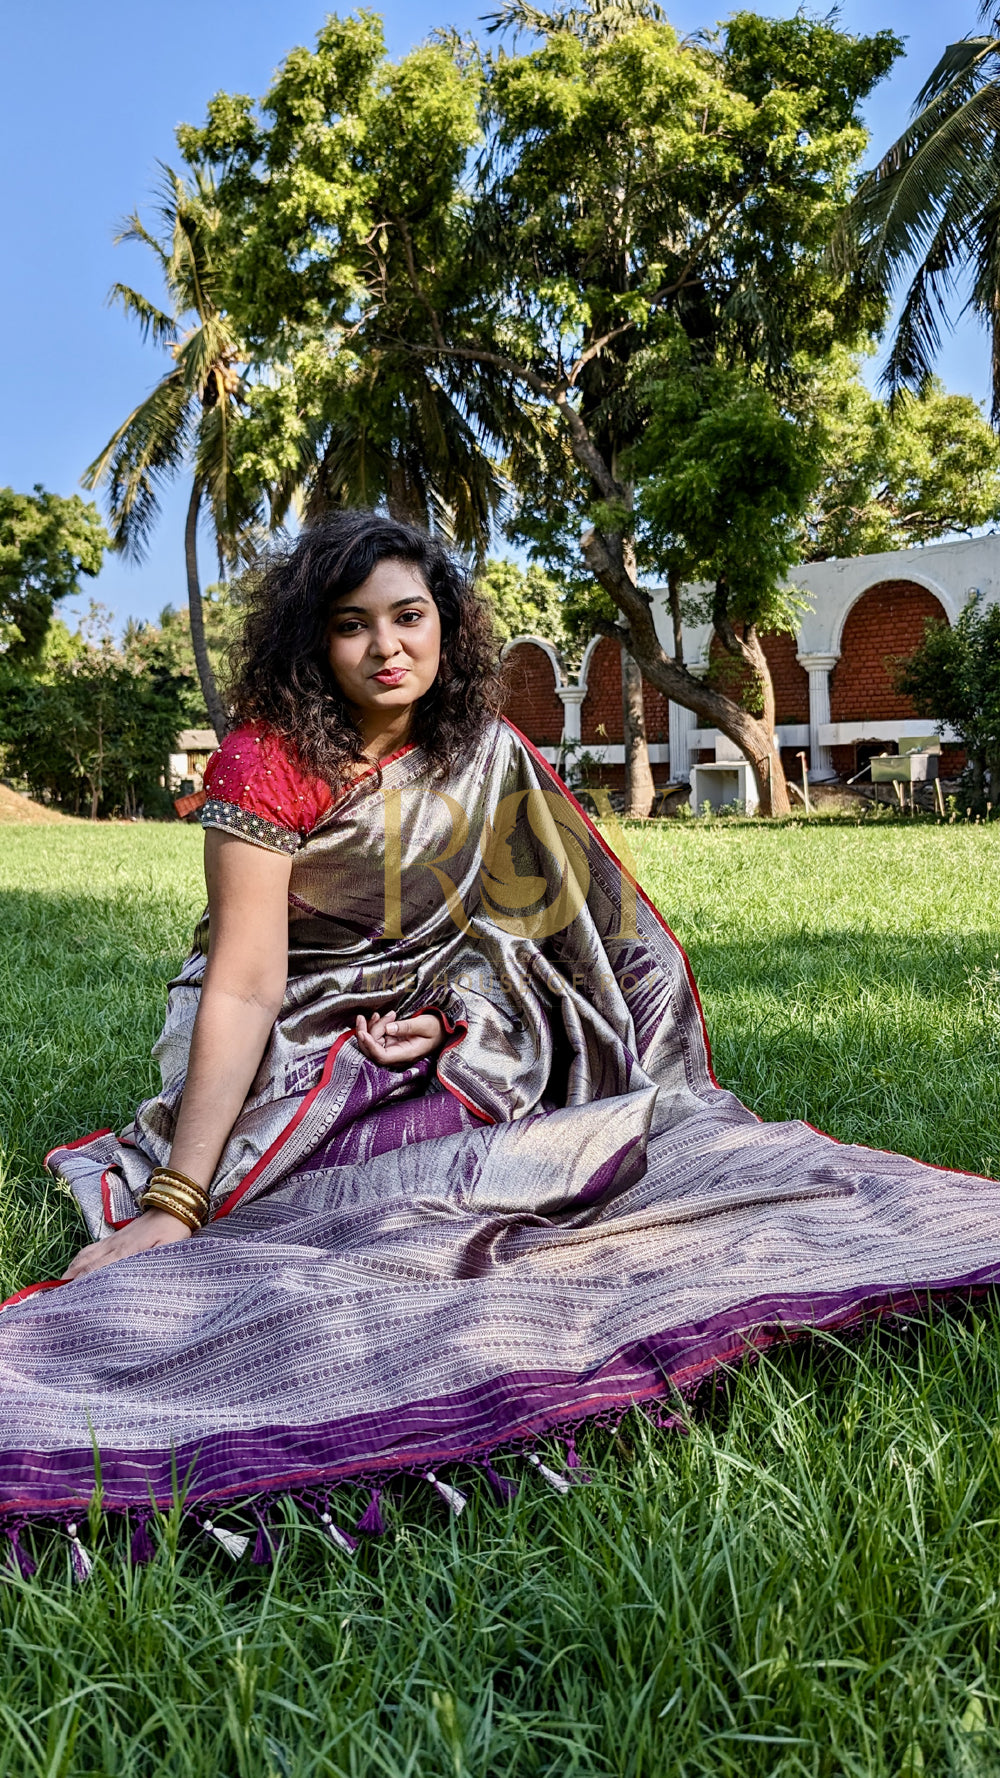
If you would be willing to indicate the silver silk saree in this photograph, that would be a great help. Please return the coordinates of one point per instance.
(559, 1215)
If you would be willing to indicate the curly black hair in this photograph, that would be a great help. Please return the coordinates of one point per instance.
(282, 676)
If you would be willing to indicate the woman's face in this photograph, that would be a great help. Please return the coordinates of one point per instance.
(385, 643)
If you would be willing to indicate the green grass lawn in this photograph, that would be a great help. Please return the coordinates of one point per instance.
(808, 1582)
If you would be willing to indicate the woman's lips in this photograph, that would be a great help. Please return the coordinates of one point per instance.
(391, 675)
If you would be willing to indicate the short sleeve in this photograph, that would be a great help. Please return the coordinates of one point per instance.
(257, 791)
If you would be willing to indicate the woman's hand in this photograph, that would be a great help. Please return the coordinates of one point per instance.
(393, 1042)
(154, 1228)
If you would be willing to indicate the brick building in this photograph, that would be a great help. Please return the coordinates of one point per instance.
(833, 680)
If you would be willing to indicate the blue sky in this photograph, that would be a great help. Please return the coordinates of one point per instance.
(91, 99)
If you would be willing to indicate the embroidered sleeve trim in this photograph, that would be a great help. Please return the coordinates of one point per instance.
(248, 826)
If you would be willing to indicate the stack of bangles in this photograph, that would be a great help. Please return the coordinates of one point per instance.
(178, 1195)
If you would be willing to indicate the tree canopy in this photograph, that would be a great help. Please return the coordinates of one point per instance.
(526, 230)
(891, 476)
(46, 543)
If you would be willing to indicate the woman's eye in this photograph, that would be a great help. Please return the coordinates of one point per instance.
(350, 628)
(409, 617)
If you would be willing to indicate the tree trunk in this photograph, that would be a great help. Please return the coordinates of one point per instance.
(606, 558)
(402, 498)
(674, 595)
(638, 774)
(768, 769)
(209, 690)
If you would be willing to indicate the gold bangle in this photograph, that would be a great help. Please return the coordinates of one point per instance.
(170, 1175)
(161, 1182)
(165, 1179)
(182, 1192)
(154, 1200)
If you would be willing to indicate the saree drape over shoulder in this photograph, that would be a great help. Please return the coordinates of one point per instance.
(560, 1213)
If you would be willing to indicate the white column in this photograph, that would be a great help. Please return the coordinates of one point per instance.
(572, 702)
(819, 667)
(681, 722)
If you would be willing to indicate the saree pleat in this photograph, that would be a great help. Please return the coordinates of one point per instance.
(560, 1215)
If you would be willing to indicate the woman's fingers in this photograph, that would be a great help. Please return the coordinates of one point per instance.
(391, 1041)
(152, 1229)
(80, 1262)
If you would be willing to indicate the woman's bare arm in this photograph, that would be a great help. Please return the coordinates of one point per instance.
(241, 997)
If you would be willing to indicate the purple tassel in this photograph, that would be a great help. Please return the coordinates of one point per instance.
(502, 1488)
(142, 1548)
(572, 1460)
(371, 1522)
(264, 1551)
(21, 1556)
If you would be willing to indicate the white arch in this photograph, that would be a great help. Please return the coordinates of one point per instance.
(945, 598)
(583, 677)
(538, 642)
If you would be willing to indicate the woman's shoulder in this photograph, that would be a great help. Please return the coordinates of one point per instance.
(258, 789)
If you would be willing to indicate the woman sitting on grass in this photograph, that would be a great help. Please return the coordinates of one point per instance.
(438, 1163)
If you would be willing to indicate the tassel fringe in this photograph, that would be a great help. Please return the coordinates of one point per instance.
(558, 1482)
(371, 1522)
(452, 1497)
(83, 1561)
(25, 1565)
(343, 1539)
(264, 1550)
(233, 1542)
(142, 1548)
(503, 1488)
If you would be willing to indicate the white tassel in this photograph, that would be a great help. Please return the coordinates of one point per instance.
(83, 1562)
(558, 1482)
(453, 1496)
(340, 1538)
(233, 1542)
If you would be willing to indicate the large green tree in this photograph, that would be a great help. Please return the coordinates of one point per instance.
(623, 185)
(725, 477)
(187, 425)
(354, 165)
(892, 476)
(924, 223)
(91, 728)
(46, 544)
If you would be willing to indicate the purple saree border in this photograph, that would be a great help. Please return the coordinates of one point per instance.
(509, 1410)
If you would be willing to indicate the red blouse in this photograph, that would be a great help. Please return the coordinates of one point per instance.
(257, 791)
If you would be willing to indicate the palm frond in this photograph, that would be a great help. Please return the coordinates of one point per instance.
(959, 60)
(236, 505)
(134, 229)
(153, 323)
(145, 452)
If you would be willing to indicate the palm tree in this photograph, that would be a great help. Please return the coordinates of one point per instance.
(930, 211)
(387, 428)
(189, 420)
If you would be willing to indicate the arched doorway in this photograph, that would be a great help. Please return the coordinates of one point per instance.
(884, 625)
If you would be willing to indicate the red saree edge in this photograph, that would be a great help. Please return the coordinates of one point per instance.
(106, 1204)
(462, 1030)
(31, 1290)
(79, 1142)
(278, 1144)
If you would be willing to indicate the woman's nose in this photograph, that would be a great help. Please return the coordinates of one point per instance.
(384, 642)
